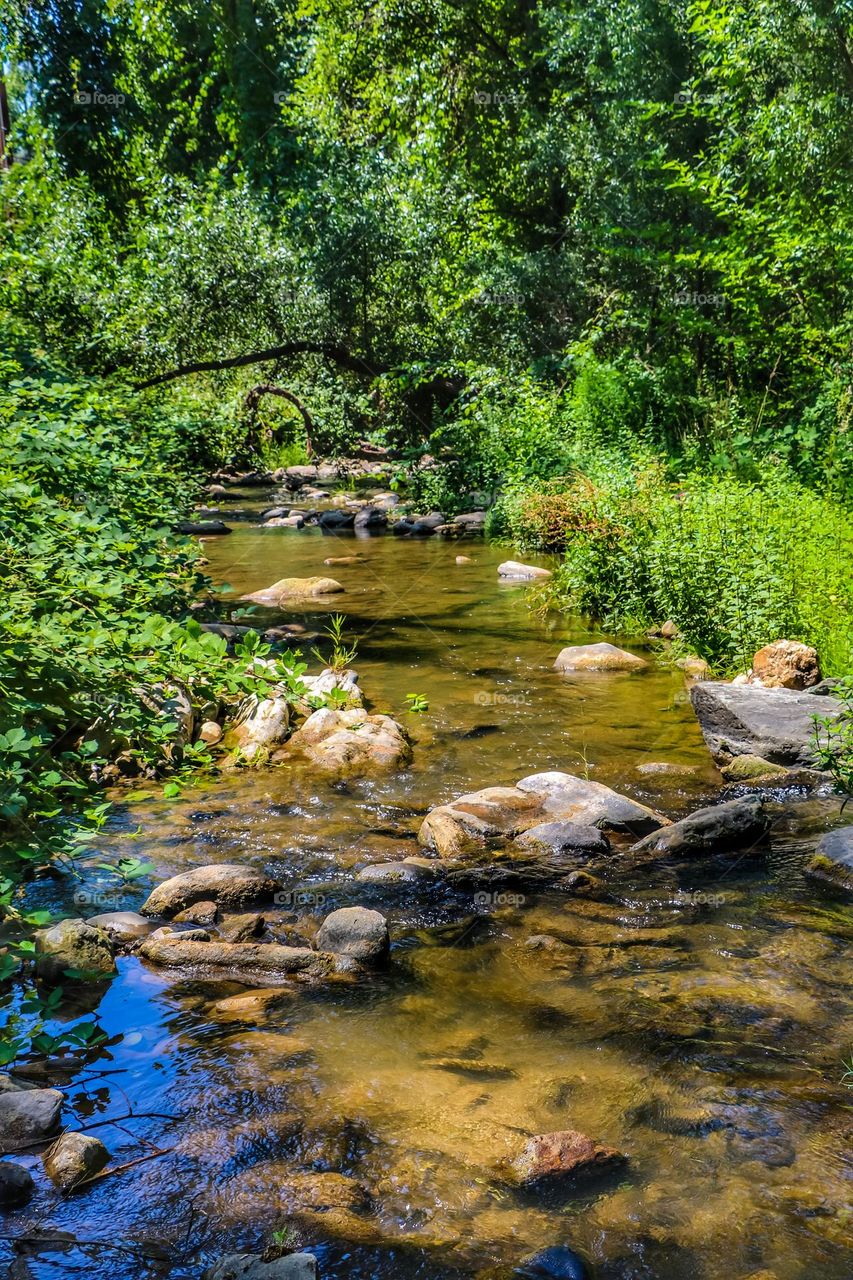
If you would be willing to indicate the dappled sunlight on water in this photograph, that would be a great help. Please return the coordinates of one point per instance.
(695, 1018)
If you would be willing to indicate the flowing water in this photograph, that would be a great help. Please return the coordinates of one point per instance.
(696, 1017)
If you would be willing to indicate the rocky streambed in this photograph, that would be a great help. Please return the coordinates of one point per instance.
(546, 996)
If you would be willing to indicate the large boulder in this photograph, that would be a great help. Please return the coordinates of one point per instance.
(74, 1158)
(288, 590)
(355, 932)
(832, 864)
(297, 476)
(246, 961)
(737, 824)
(786, 664)
(775, 724)
(552, 1156)
(28, 1116)
(227, 884)
(574, 799)
(259, 725)
(335, 682)
(73, 945)
(249, 1266)
(598, 657)
(514, 570)
(498, 814)
(349, 743)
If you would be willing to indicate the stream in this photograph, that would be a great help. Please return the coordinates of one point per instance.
(697, 1019)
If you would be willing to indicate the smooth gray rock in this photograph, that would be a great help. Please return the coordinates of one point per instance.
(27, 1116)
(227, 884)
(355, 932)
(565, 837)
(776, 724)
(737, 824)
(564, 795)
(122, 927)
(248, 1266)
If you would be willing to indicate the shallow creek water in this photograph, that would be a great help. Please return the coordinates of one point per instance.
(696, 1019)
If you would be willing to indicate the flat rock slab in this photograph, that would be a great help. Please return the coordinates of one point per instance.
(775, 724)
(598, 657)
(248, 1266)
(737, 824)
(227, 884)
(287, 589)
(243, 959)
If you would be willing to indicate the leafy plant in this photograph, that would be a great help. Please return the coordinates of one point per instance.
(342, 655)
(833, 741)
(418, 703)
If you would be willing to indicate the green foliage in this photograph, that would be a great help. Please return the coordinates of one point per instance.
(834, 741)
(342, 655)
(417, 703)
(98, 653)
(734, 564)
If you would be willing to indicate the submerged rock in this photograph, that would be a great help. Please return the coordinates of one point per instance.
(567, 1153)
(227, 884)
(249, 1266)
(73, 1159)
(288, 589)
(514, 569)
(28, 1116)
(786, 664)
(737, 824)
(832, 864)
(16, 1184)
(598, 657)
(73, 945)
(775, 724)
(349, 742)
(355, 932)
(557, 1263)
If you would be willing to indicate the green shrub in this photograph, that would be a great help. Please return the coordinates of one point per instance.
(735, 565)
